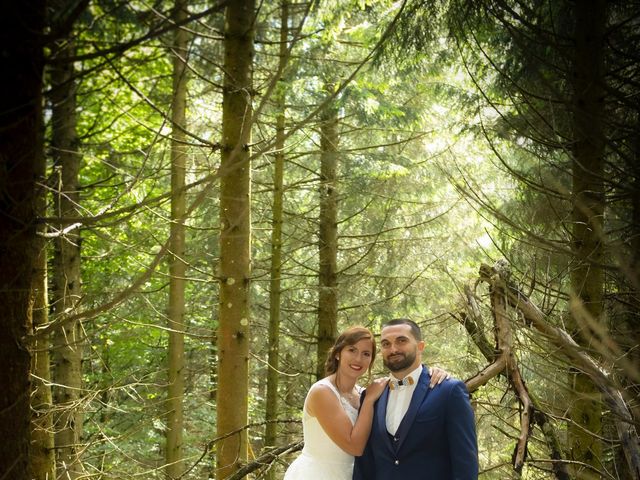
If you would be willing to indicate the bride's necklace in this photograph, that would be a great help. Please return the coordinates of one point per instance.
(352, 397)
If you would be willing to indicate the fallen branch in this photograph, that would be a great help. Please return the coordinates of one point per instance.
(613, 397)
(266, 459)
(504, 361)
(471, 320)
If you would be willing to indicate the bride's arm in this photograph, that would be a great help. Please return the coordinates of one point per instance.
(325, 406)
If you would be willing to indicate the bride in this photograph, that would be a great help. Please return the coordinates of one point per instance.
(333, 430)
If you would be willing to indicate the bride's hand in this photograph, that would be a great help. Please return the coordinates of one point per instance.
(438, 375)
(375, 388)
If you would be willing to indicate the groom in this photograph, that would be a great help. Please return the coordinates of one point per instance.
(418, 432)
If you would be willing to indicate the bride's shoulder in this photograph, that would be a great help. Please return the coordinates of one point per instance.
(323, 385)
(322, 394)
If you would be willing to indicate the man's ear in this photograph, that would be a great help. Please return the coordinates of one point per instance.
(421, 345)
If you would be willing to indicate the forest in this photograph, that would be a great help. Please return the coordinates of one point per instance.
(197, 196)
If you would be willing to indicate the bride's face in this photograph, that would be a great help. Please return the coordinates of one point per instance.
(355, 359)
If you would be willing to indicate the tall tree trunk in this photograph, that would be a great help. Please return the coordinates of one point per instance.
(633, 339)
(42, 454)
(628, 320)
(177, 266)
(21, 37)
(235, 239)
(328, 236)
(587, 276)
(68, 340)
(273, 374)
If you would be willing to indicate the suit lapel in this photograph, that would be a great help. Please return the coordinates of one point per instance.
(419, 395)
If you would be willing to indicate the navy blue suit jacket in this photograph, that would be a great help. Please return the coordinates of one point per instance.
(436, 439)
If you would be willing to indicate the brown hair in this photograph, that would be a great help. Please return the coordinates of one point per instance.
(350, 336)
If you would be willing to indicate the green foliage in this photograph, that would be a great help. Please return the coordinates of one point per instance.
(444, 163)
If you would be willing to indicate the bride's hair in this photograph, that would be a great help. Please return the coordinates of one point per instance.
(350, 336)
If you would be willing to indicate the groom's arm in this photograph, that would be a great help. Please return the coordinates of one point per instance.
(461, 434)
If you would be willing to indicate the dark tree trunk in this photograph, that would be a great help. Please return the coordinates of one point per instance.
(21, 36)
(587, 274)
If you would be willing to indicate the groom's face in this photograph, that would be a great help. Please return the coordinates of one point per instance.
(401, 352)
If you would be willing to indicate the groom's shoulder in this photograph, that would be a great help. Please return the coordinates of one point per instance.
(451, 385)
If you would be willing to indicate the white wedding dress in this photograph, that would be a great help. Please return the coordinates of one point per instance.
(321, 459)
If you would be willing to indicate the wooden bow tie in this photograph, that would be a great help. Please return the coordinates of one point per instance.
(393, 383)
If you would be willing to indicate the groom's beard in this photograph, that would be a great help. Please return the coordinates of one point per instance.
(399, 361)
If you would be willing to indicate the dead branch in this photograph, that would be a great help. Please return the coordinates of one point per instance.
(504, 362)
(599, 376)
(266, 459)
(471, 319)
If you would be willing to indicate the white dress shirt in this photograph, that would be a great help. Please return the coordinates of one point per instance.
(399, 400)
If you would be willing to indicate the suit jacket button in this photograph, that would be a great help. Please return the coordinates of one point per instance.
(397, 462)
(395, 439)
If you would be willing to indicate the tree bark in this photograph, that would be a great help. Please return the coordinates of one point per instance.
(68, 339)
(235, 239)
(42, 454)
(21, 37)
(587, 275)
(328, 236)
(628, 327)
(273, 374)
(177, 264)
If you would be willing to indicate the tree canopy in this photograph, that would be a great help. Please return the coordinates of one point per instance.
(197, 196)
